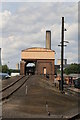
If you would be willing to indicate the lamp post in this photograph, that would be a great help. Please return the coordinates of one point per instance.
(62, 53)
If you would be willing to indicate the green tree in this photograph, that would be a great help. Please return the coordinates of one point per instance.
(5, 69)
(73, 68)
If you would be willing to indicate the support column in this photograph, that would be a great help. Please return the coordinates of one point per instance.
(22, 68)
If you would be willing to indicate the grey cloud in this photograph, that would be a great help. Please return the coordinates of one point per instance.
(27, 26)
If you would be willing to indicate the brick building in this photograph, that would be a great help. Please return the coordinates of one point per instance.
(43, 58)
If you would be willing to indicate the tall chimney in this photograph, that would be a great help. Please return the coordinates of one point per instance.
(48, 39)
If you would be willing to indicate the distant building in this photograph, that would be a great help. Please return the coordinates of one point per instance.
(65, 65)
(64, 61)
(17, 66)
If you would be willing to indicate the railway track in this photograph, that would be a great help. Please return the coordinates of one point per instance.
(13, 87)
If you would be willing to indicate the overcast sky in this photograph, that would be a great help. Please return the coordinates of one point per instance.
(24, 25)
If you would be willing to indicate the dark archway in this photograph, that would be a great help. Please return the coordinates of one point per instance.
(30, 68)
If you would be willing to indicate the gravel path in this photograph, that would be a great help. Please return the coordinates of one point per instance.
(33, 105)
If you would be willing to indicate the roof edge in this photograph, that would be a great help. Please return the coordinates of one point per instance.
(35, 48)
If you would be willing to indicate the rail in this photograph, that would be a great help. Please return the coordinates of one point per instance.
(13, 87)
(11, 84)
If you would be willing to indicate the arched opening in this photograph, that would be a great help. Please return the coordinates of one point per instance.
(30, 68)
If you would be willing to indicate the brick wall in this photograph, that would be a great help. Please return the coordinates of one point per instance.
(49, 65)
(22, 68)
(40, 65)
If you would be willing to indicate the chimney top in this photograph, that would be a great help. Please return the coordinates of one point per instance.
(48, 39)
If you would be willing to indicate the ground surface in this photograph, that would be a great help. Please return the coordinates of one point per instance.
(8, 81)
(20, 105)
